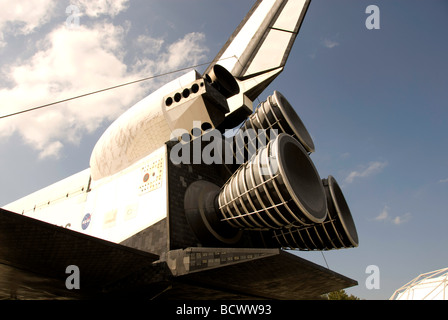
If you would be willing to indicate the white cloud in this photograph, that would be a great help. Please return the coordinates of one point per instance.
(24, 16)
(73, 62)
(401, 219)
(329, 43)
(189, 50)
(52, 150)
(443, 180)
(397, 220)
(149, 45)
(76, 61)
(345, 155)
(383, 214)
(366, 171)
(101, 7)
(183, 49)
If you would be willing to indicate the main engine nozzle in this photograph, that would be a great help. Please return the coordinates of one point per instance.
(272, 117)
(279, 187)
(336, 232)
(276, 113)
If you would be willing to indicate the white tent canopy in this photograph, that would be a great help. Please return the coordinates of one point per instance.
(427, 286)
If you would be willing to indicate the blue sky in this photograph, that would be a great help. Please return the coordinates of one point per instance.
(375, 102)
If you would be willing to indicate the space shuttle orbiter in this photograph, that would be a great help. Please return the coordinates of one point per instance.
(173, 206)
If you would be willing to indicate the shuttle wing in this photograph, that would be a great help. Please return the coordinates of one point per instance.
(34, 257)
(258, 49)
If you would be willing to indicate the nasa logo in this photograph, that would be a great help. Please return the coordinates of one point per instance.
(86, 221)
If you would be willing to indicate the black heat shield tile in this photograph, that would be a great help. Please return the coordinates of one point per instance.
(250, 273)
(34, 256)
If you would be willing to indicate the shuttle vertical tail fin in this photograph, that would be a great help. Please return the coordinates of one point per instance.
(258, 49)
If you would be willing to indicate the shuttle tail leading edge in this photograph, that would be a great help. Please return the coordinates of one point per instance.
(257, 51)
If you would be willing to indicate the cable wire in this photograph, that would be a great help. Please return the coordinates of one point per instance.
(105, 89)
(325, 260)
